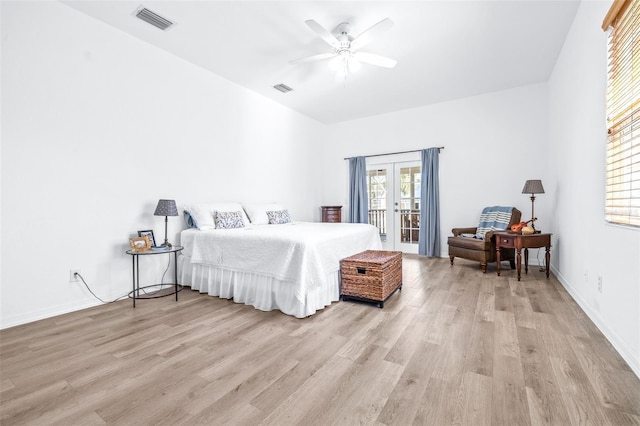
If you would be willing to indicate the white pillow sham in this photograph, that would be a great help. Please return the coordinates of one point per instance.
(202, 213)
(258, 212)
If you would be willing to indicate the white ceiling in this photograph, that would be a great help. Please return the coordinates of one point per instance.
(445, 49)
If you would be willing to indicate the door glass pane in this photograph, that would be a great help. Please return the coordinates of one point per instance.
(409, 204)
(377, 189)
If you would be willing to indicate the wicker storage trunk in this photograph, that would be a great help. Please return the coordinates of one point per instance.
(371, 276)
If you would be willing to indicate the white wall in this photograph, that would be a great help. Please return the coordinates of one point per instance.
(493, 144)
(97, 126)
(585, 245)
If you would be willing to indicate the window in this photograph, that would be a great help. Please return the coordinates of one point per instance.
(623, 114)
(410, 204)
(377, 189)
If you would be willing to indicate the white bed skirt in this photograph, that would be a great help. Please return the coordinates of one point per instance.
(262, 292)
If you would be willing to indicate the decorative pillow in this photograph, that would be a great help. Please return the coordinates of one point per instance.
(228, 220)
(258, 212)
(278, 216)
(202, 213)
(189, 220)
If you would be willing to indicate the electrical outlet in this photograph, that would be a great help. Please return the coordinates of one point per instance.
(72, 275)
(600, 283)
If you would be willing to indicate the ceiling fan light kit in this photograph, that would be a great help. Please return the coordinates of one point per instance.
(345, 59)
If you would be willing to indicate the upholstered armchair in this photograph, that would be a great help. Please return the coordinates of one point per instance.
(478, 243)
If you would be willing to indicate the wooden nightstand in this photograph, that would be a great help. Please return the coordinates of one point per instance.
(331, 213)
(519, 242)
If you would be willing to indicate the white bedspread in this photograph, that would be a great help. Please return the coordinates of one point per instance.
(302, 254)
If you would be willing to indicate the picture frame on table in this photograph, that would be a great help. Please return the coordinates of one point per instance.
(148, 233)
(139, 244)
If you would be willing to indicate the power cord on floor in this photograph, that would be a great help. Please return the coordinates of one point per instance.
(76, 274)
(542, 268)
(165, 271)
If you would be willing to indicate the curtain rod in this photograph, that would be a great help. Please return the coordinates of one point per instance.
(393, 153)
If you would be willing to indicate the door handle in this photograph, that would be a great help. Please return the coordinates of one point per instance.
(396, 210)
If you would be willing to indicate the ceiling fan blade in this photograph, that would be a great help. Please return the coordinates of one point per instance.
(377, 60)
(322, 32)
(368, 35)
(313, 58)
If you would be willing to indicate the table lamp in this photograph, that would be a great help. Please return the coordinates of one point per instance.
(533, 187)
(166, 208)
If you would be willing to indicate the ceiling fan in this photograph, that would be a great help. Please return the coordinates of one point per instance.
(344, 56)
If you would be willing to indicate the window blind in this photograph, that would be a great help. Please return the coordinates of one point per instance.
(622, 204)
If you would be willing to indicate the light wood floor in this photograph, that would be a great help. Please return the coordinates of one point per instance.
(455, 346)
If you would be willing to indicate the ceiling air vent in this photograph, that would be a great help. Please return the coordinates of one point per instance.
(153, 18)
(283, 88)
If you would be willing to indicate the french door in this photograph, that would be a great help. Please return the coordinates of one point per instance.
(394, 203)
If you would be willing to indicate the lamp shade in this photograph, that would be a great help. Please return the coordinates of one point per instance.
(166, 208)
(533, 187)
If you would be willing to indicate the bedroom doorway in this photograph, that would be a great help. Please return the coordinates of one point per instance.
(394, 203)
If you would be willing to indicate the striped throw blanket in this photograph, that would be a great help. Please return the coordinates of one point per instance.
(492, 219)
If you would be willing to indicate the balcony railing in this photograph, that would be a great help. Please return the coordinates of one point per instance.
(409, 226)
(378, 218)
(409, 223)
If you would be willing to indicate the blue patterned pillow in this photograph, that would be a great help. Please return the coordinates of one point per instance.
(277, 217)
(228, 220)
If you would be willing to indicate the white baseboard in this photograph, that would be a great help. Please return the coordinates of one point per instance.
(627, 354)
(27, 317)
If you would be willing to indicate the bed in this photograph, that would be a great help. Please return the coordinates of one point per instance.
(293, 267)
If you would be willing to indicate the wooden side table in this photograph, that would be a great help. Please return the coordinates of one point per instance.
(331, 213)
(519, 242)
